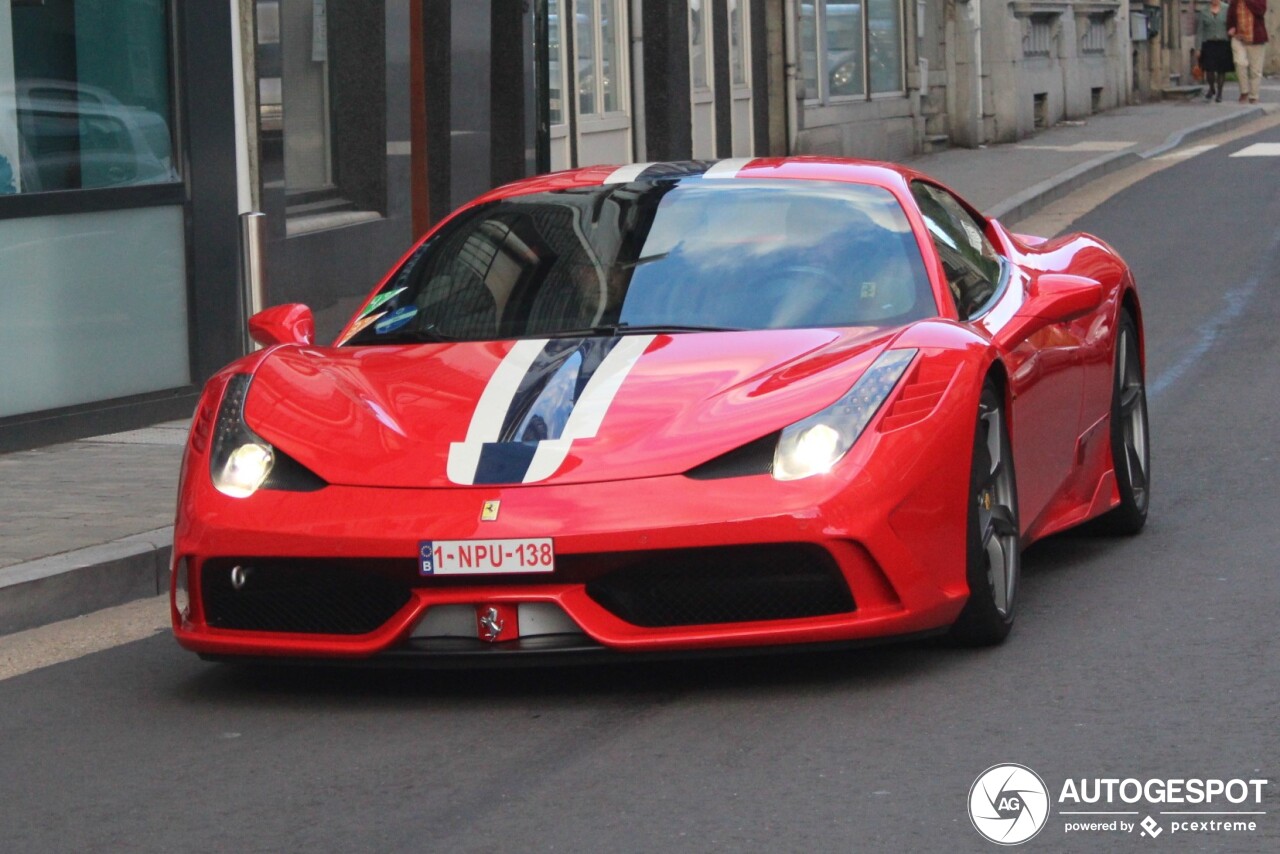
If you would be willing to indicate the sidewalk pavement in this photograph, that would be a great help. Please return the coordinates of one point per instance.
(88, 524)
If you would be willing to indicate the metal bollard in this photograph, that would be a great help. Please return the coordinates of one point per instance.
(253, 272)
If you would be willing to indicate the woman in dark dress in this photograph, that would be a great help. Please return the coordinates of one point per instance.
(1214, 56)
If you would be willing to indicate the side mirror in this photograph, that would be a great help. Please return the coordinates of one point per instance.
(1056, 298)
(291, 323)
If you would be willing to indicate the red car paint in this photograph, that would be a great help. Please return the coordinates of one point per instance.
(376, 424)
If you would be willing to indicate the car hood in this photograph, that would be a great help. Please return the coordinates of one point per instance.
(547, 410)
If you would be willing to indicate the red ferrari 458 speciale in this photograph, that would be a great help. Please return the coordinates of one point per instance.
(666, 408)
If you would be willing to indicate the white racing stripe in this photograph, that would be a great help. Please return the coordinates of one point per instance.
(588, 412)
(626, 174)
(727, 168)
(486, 421)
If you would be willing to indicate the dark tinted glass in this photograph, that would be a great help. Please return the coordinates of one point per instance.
(730, 254)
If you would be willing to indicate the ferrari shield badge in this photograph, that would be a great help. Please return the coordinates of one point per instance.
(489, 513)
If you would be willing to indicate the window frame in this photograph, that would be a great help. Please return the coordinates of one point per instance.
(823, 96)
(622, 83)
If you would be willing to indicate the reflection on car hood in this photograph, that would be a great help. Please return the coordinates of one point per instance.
(545, 410)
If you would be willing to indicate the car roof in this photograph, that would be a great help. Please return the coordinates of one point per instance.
(891, 176)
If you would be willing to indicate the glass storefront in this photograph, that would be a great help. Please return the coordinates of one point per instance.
(81, 111)
(93, 278)
(92, 307)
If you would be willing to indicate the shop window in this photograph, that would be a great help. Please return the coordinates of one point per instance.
(80, 111)
(851, 50)
(327, 95)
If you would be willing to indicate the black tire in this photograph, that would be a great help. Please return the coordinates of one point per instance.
(1130, 439)
(994, 550)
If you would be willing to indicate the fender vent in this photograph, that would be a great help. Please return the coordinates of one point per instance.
(919, 397)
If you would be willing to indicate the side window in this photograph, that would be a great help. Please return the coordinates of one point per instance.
(972, 265)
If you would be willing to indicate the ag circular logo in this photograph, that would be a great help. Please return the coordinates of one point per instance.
(1008, 804)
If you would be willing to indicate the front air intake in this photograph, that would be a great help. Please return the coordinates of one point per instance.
(299, 595)
(733, 584)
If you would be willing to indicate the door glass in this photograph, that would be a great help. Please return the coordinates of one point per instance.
(307, 147)
(610, 33)
(884, 30)
(844, 48)
(737, 43)
(809, 49)
(555, 66)
(585, 37)
(972, 265)
(698, 42)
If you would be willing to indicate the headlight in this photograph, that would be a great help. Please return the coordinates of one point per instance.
(241, 460)
(816, 444)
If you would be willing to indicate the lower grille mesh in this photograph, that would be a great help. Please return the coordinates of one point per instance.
(736, 584)
(314, 597)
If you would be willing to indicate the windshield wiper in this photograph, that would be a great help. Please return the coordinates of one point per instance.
(615, 329)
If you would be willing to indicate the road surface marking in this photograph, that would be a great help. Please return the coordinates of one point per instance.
(1186, 153)
(23, 652)
(1260, 149)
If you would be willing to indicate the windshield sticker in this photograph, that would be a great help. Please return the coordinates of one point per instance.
(358, 327)
(379, 300)
(395, 319)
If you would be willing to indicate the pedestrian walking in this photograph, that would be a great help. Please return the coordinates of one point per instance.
(1248, 31)
(1213, 47)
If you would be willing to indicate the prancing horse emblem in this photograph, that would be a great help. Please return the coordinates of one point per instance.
(489, 513)
(490, 625)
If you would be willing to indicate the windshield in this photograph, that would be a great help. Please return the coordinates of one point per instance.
(667, 255)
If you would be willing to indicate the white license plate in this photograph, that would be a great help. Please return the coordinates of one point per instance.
(485, 557)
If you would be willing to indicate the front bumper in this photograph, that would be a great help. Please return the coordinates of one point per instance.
(886, 530)
(893, 540)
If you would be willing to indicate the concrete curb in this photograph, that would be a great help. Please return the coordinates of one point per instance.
(74, 583)
(1039, 196)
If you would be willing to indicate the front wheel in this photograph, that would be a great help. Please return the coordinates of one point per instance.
(994, 555)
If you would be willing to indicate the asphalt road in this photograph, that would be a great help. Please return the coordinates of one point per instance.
(1150, 657)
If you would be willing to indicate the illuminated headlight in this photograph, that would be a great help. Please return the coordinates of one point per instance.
(245, 470)
(241, 460)
(816, 444)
